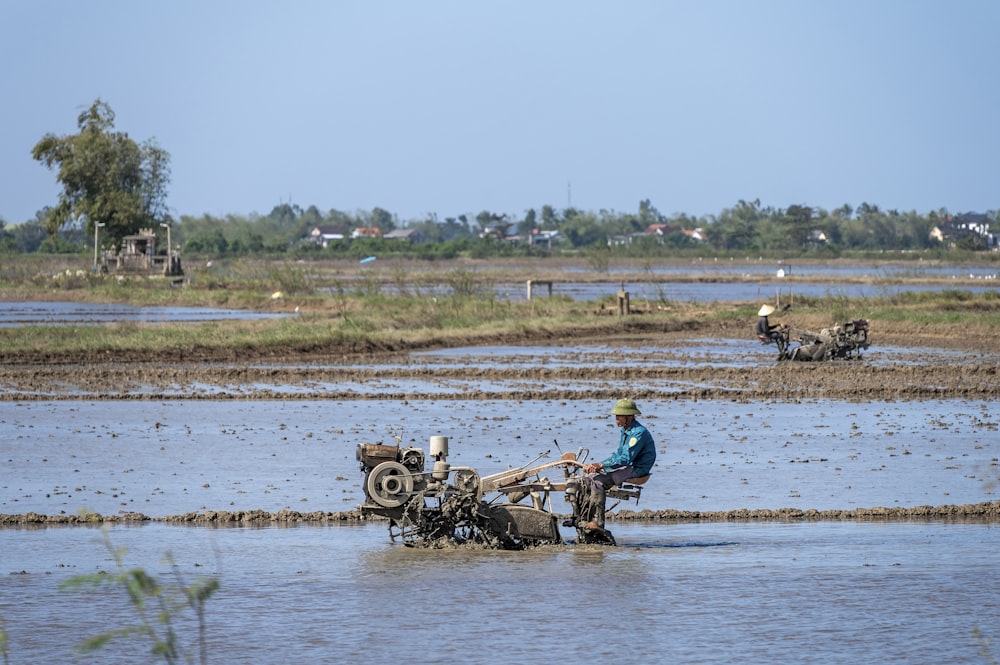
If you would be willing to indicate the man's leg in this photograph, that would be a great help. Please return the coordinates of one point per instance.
(779, 339)
(598, 495)
(601, 483)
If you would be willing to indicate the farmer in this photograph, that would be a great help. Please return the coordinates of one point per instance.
(777, 332)
(633, 459)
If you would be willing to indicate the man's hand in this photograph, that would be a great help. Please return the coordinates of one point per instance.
(593, 467)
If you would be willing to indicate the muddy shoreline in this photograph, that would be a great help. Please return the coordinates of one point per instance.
(979, 512)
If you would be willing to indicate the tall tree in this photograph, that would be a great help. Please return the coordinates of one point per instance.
(106, 177)
(648, 214)
(799, 223)
(382, 218)
(737, 227)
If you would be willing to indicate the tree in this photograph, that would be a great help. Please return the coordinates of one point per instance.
(30, 235)
(382, 219)
(7, 240)
(550, 218)
(798, 223)
(529, 223)
(106, 177)
(582, 230)
(737, 227)
(648, 214)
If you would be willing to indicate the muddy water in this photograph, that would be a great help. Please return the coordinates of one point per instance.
(690, 592)
(832, 592)
(843, 592)
(165, 458)
(62, 313)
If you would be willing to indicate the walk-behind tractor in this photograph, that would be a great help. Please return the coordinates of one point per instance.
(846, 340)
(455, 504)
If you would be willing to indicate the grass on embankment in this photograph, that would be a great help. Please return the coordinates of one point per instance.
(407, 306)
(387, 322)
(360, 323)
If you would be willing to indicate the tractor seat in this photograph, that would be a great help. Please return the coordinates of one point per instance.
(629, 489)
(641, 480)
(764, 339)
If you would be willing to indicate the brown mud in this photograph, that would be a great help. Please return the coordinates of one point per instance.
(969, 369)
(981, 512)
(939, 362)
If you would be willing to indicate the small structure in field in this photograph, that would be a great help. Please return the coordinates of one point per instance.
(139, 255)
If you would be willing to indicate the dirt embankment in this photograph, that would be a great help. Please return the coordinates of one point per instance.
(934, 362)
(987, 511)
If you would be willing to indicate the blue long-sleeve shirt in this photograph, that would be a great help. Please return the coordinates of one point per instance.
(636, 450)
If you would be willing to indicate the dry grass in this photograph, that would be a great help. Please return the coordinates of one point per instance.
(406, 304)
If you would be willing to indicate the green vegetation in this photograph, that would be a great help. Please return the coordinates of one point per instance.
(369, 320)
(399, 305)
(865, 233)
(159, 606)
(984, 647)
(107, 178)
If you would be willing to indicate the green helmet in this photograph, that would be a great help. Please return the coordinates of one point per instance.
(625, 407)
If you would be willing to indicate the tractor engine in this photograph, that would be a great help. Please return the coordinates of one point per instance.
(392, 473)
(446, 503)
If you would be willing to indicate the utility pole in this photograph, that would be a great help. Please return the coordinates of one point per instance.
(170, 253)
(97, 226)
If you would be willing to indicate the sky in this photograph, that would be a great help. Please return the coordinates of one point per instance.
(449, 108)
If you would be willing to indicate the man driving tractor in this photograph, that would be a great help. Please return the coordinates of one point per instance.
(777, 333)
(633, 459)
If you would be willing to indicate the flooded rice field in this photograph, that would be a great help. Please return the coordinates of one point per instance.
(77, 313)
(675, 368)
(702, 292)
(697, 590)
(172, 457)
(843, 592)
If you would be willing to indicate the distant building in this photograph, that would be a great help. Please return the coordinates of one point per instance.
(411, 235)
(661, 230)
(367, 232)
(138, 255)
(324, 235)
(658, 231)
(969, 225)
(540, 237)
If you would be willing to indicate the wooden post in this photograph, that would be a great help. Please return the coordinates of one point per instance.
(623, 304)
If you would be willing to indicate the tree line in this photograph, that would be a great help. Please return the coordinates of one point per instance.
(112, 181)
(745, 227)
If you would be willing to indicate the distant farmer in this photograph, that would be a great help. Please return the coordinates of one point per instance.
(633, 459)
(777, 332)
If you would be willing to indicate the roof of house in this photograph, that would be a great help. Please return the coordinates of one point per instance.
(402, 233)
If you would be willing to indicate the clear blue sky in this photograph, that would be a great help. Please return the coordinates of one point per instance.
(458, 107)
